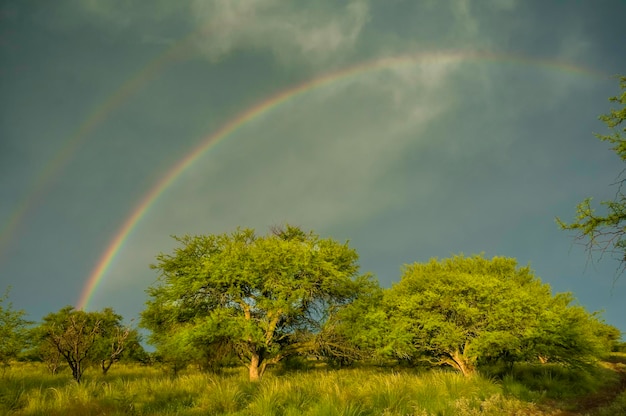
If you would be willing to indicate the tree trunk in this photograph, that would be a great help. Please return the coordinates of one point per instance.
(255, 368)
(461, 363)
(106, 364)
(76, 371)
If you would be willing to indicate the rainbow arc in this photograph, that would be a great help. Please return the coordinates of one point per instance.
(264, 106)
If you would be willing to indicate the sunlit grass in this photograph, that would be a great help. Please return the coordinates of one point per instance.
(28, 390)
(552, 381)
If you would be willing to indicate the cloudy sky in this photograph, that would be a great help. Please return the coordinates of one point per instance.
(414, 129)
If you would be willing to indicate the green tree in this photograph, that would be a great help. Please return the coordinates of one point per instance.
(113, 338)
(565, 332)
(262, 297)
(606, 232)
(465, 311)
(134, 351)
(13, 331)
(82, 339)
(73, 333)
(361, 326)
(48, 354)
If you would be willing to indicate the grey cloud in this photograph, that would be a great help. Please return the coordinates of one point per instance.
(312, 32)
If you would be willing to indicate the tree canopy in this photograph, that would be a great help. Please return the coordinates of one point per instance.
(13, 330)
(606, 232)
(467, 310)
(82, 339)
(113, 338)
(73, 333)
(261, 297)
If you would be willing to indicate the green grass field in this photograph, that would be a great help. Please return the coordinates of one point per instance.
(28, 389)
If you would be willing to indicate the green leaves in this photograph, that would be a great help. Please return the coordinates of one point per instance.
(83, 338)
(467, 310)
(255, 292)
(606, 232)
(13, 331)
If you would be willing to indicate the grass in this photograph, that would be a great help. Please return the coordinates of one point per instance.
(617, 407)
(26, 389)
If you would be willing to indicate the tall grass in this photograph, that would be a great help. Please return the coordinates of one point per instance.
(617, 407)
(28, 390)
(552, 381)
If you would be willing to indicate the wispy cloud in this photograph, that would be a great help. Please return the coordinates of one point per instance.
(325, 158)
(311, 31)
(316, 32)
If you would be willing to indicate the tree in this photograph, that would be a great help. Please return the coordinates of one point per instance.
(361, 326)
(465, 311)
(262, 297)
(568, 334)
(113, 338)
(13, 331)
(134, 351)
(73, 333)
(50, 355)
(83, 338)
(606, 233)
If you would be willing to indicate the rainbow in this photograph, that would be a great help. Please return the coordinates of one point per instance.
(262, 107)
(41, 184)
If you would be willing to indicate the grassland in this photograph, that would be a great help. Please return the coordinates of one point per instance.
(27, 389)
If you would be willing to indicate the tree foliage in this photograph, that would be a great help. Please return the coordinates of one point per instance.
(13, 330)
(567, 333)
(465, 311)
(73, 333)
(362, 325)
(262, 298)
(113, 338)
(82, 339)
(606, 232)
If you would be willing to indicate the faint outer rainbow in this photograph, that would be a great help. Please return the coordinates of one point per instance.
(41, 183)
(51, 170)
(265, 105)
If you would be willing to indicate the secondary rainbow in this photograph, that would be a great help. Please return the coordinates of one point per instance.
(50, 171)
(264, 106)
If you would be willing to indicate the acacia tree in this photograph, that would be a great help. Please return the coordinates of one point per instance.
(82, 339)
(73, 333)
(262, 297)
(13, 331)
(48, 353)
(113, 338)
(568, 334)
(467, 310)
(606, 232)
(361, 326)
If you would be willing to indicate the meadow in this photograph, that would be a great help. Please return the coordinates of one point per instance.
(27, 389)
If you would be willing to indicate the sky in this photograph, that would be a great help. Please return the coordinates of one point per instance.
(413, 129)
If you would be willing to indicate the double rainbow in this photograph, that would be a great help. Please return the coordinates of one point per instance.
(150, 198)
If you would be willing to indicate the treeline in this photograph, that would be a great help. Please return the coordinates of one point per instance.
(242, 298)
